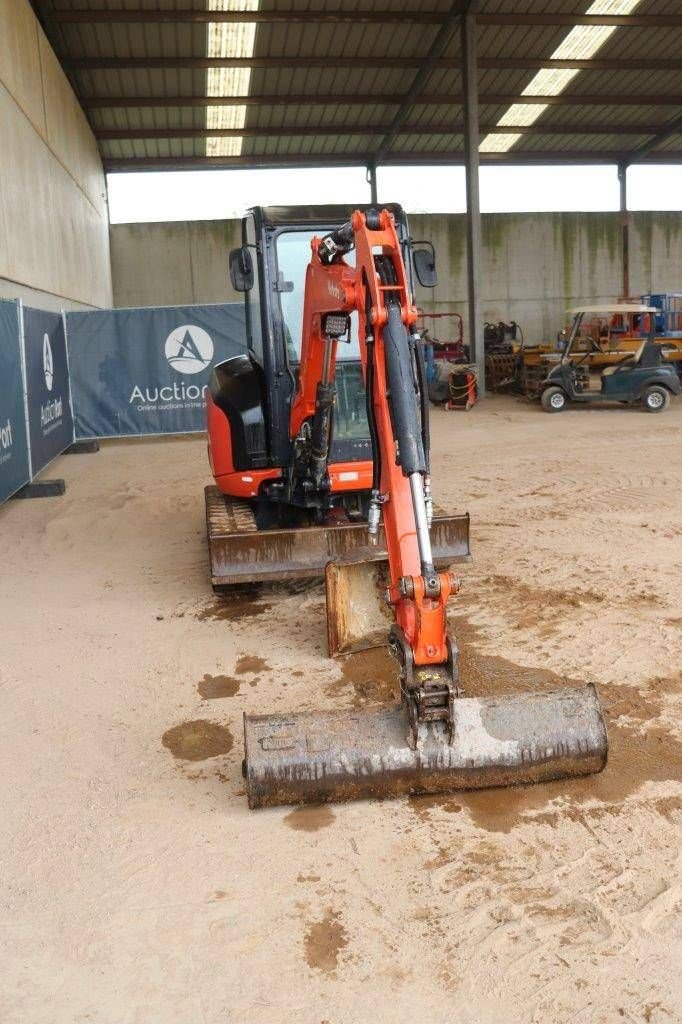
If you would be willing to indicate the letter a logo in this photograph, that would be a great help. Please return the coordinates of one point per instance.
(48, 365)
(189, 349)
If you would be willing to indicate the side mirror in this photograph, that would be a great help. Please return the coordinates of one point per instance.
(241, 269)
(424, 263)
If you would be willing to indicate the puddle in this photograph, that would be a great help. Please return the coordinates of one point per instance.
(215, 687)
(323, 942)
(309, 817)
(249, 664)
(635, 757)
(233, 608)
(373, 675)
(197, 740)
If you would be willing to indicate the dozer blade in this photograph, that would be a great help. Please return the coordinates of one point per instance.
(497, 741)
(240, 553)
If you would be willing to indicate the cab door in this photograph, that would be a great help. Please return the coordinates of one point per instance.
(291, 251)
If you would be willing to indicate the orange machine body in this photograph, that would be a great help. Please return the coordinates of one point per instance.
(345, 477)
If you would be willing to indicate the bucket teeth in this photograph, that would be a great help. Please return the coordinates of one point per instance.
(497, 741)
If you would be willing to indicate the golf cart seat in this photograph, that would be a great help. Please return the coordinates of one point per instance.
(629, 361)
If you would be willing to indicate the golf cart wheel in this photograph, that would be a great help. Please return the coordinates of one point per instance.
(553, 400)
(656, 398)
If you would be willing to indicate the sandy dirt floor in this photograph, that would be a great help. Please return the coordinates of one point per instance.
(136, 885)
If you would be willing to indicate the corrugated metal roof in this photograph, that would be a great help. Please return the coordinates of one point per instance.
(341, 106)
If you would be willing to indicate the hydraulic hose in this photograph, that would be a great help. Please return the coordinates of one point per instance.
(369, 399)
(423, 403)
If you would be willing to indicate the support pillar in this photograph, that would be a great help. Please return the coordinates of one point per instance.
(473, 214)
(372, 182)
(624, 227)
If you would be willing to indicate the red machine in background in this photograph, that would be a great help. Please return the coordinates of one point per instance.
(451, 349)
(452, 380)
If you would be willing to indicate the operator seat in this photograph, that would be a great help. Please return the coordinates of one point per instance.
(633, 359)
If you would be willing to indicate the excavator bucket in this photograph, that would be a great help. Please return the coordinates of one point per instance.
(497, 741)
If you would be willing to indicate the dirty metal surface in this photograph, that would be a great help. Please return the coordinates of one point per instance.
(240, 553)
(498, 741)
(357, 614)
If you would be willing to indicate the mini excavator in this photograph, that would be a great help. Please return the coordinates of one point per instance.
(369, 513)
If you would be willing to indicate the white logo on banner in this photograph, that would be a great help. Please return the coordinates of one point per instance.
(6, 441)
(48, 365)
(6, 435)
(189, 349)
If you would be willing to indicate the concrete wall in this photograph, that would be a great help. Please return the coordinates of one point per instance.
(54, 246)
(172, 264)
(535, 265)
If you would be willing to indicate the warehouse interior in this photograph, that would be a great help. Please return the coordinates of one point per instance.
(140, 885)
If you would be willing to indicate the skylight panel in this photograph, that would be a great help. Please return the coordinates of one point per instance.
(228, 40)
(581, 43)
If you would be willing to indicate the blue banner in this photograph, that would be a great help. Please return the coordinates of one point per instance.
(145, 371)
(15, 470)
(47, 381)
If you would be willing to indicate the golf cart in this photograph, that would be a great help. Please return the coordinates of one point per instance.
(642, 376)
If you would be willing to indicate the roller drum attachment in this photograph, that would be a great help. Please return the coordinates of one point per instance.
(497, 741)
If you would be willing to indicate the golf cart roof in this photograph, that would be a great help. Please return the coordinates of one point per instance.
(616, 307)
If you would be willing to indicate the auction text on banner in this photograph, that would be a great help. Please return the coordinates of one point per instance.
(15, 468)
(47, 378)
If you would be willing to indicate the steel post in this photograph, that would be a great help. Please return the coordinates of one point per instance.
(473, 216)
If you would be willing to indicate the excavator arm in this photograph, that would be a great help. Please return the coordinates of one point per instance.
(377, 289)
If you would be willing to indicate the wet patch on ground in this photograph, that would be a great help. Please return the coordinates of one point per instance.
(309, 817)
(373, 676)
(640, 749)
(215, 687)
(198, 740)
(250, 664)
(323, 942)
(233, 607)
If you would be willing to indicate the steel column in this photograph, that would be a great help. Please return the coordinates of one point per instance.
(624, 227)
(473, 214)
(372, 182)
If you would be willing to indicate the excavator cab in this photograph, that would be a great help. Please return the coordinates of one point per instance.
(277, 239)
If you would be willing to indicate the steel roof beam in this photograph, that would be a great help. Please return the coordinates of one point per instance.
(427, 65)
(263, 63)
(571, 20)
(594, 64)
(455, 158)
(270, 63)
(104, 17)
(670, 130)
(147, 17)
(305, 131)
(439, 99)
